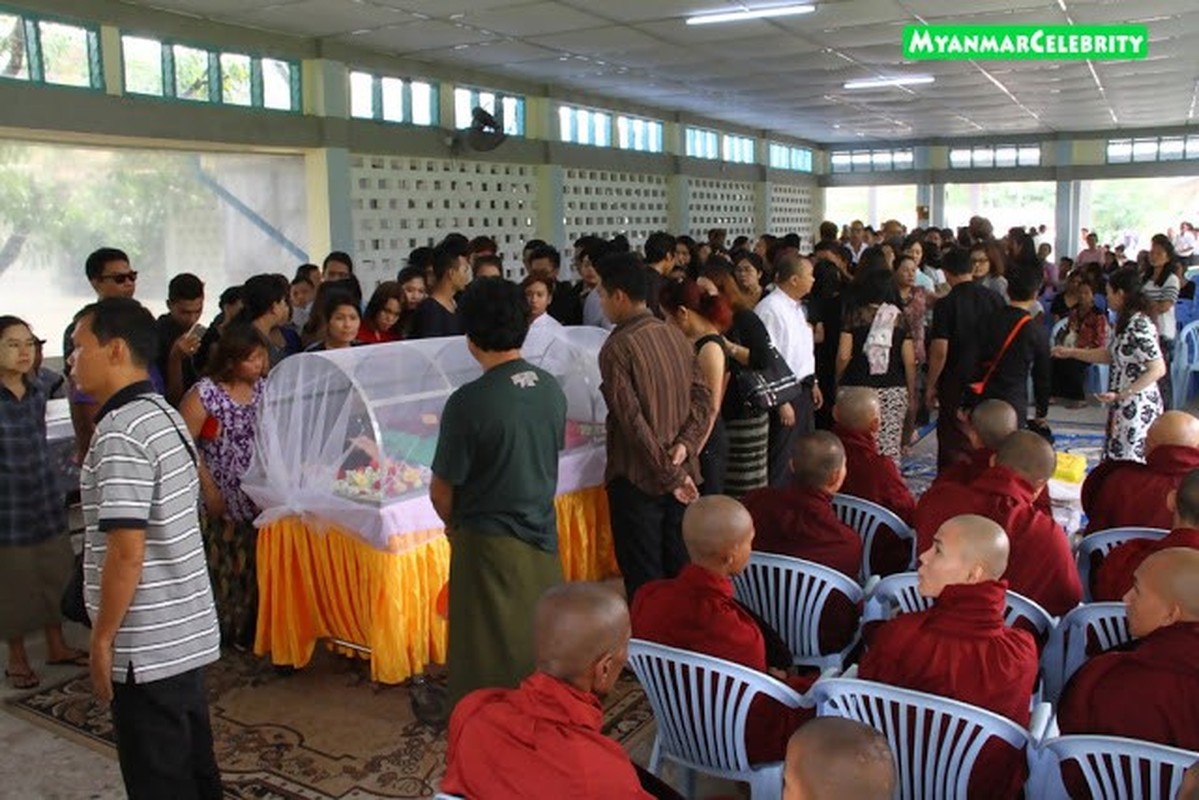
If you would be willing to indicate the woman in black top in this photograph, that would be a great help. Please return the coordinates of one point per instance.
(747, 345)
(701, 317)
(875, 350)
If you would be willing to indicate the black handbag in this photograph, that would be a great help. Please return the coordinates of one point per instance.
(72, 605)
(764, 389)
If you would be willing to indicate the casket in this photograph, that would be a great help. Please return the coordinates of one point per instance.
(347, 437)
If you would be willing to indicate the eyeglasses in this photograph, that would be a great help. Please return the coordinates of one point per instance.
(121, 277)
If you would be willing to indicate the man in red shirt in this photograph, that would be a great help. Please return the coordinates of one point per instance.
(1121, 494)
(832, 758)
(1041, 566)
(696, 611)
(544, 739)
(1148, 689)
(798, 520)
(873, 476)
(1114, 578)
(961, 648)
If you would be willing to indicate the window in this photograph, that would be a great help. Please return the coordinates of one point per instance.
(739, 149)
(1160, 148)
(509, 110)
(584, 126)
(386, 99)
(636, 133)
(702, 143)
(871, 160)
(782, 156)
(49, 51)
(999, 155)
(186, 72)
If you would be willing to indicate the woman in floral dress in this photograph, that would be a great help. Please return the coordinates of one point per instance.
(221, 412)
(1137, 365)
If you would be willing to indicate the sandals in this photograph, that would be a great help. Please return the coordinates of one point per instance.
(79, 659)
(22, 680)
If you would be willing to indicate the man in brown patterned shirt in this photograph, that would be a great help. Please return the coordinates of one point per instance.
(658, 413)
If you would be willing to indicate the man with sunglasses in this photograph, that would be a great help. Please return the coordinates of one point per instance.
(110, 274)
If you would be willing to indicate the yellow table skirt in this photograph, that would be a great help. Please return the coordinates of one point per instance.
(328, 584)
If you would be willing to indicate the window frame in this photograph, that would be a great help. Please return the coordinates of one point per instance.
(407, 100)
(35, 72)
(872, 159)
(475, 93)
(599, 123)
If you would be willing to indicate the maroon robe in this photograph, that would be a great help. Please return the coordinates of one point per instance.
(798, 522)
(696, 611)
(967, 472)
(1147, 689)
(1120, 494)
(874, 477)
(1114, 577)
(961, 649)
(1041, 565)
(542, 740)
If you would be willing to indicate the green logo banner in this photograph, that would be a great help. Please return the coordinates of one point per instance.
(1025, 42)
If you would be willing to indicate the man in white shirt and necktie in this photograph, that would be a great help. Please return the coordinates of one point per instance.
(782, 313)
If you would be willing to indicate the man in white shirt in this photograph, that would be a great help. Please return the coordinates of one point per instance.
(783, 315)
(857, 239)
(1184, 245)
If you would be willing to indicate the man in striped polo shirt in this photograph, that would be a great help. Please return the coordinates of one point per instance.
(146, 581)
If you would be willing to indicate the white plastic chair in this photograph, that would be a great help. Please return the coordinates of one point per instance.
(791, 595)
(1067, 648)
(701, 705)
(1114, 768)
(935, 741)
(443, 796)
(1102, 543)
(866, 518)
(897, 594)
(1186, 362)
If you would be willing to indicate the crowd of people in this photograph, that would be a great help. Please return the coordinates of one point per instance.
(747, 383)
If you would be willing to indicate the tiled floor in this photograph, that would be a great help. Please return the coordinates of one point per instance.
(35, 763)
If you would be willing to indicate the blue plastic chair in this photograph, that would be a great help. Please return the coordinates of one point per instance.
(935, 741)
(1114, 768)
(897, 594)
(1096, 379)
(791, 595)
(866, 518)
(1186, 363)
(1103, 542)
(1067, 648)
(701, 705)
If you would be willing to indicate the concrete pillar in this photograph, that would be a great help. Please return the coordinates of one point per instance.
(763, 212)
(679, 204)
(112, 60)
(1066, 219)
(551, 213)
(330, 223)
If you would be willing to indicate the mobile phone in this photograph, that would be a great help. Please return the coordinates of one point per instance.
(198, 331)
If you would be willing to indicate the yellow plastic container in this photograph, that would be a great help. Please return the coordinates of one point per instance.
(1071, 467)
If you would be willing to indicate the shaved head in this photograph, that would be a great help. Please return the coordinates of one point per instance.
(714, 526)
(831, 758)
(576, 624)
(1190, 784)
(1174, 573)
(993, 421)
(1165, 590)
(966, 549)
(1186, 501)
(857, 408)
(1029, 455)
(1173, 427)
(817, 459)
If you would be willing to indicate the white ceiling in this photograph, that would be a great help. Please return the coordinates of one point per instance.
(784, 74)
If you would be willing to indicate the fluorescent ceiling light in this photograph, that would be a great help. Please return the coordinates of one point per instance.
(747, 13)
(876, 83)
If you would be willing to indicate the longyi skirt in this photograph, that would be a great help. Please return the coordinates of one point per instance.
(32, 580)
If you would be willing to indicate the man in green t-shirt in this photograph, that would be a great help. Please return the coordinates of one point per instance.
(494, 479)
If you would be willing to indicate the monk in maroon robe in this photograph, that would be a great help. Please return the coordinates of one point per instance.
(1041, 566)
(1120, 494)
(833, 758)
(696, 611)
(961, 648)
(873, 476)
(1114, 576)
(799, 520)
(544, 739)
(1149, 688)
(991, 421)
